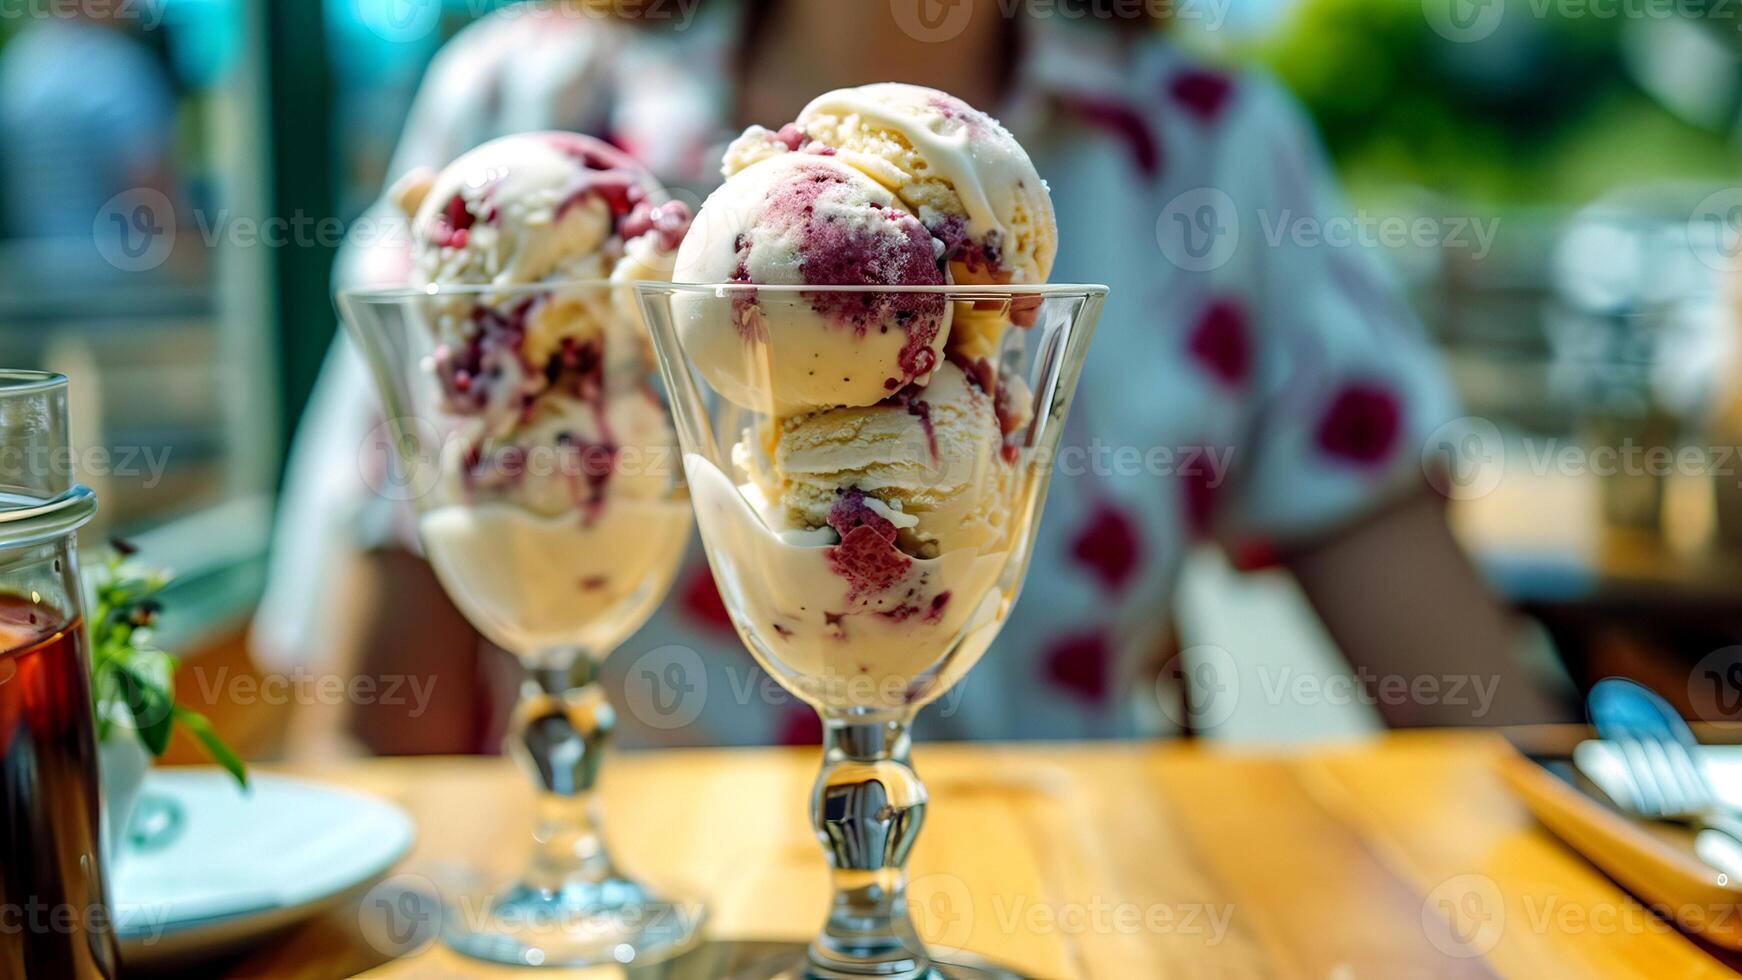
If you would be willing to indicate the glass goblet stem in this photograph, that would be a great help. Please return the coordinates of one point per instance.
(559, 734)
(867, 807)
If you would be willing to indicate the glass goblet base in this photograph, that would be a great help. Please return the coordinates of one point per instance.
(950, 966)
(612, 921)
(771, 960)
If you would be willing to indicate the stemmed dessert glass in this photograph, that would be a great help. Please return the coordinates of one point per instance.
(866, 632)
(557, 548)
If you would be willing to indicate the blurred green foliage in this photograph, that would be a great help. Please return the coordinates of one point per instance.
(1541, 111)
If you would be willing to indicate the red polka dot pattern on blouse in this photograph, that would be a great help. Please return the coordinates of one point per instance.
(1221, 344)
(800, 726)
(1127, 124)
(1081, 664)
(1254, 555)
(1200, 486)
(1361, 424)
(700, 600)
(1109, 547)
(1203, 93)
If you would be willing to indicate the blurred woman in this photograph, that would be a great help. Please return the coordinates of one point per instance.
(1263, 391)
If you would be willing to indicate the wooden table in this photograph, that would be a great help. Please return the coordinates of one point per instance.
(1399, 857)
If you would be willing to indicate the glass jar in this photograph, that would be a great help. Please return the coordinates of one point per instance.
(54, 916)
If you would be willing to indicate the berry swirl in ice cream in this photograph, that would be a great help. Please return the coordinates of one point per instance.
(533, 208)
(956, 168)
(809, 220)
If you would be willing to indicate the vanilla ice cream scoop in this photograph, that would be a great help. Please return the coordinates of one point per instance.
(929, 461)
(959, 170)
(532, 207)
(523, 210)
(809, 220)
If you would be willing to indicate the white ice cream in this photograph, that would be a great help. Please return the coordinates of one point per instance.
(933, 458)
(533, 583)
(839, 641)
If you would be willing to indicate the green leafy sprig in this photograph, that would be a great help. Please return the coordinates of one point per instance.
(132, 681)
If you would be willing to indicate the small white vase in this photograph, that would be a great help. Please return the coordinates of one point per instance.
(121, 765)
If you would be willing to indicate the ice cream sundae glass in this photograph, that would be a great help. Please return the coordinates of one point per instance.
(522, 400)
(869, 377)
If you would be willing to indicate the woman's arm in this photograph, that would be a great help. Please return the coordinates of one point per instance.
(1404, 603)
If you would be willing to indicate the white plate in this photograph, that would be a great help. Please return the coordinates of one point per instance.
(228, 867)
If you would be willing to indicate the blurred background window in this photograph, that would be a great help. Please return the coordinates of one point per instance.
(1559, 184)
(135, 171)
